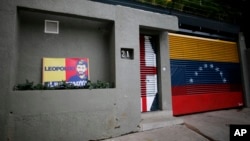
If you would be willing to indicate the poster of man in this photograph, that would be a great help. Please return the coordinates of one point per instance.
(81, 77)
(71, 70)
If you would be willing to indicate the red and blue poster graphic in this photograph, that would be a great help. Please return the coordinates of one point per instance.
(71, 70)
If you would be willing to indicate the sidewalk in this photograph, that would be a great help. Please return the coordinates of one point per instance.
(209, 126)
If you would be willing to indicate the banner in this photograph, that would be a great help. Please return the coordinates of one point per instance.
(71, 70)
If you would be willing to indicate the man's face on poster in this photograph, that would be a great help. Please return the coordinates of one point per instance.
(81, 69)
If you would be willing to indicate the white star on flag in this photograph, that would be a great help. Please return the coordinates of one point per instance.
(224, 80)
(217, 69)
(221, 73)
(211, 66)
(196, 73)
(205, 65)
(191, 80)
(200, 69)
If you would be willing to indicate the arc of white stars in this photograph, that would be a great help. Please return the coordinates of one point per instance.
(217, 69)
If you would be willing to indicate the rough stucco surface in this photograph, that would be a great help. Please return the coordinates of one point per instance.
(7, 44)
(64, 115)
(72, 114)
(244, 54)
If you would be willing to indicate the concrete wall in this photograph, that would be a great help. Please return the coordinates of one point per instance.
(78, 37)
(244, 55)
(73, 114)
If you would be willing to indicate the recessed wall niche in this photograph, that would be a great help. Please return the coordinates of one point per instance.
(78, 37)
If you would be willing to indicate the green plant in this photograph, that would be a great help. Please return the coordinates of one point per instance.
(29, 85)
(39, 86)
(98, 84)
(26, 86)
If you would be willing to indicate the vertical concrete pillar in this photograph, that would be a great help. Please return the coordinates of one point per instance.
(8, 30)
(164, 73)
(127, 70)
(244, 68)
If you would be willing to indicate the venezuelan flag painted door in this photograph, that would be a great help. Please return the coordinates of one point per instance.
(205, 74)
(148, 74)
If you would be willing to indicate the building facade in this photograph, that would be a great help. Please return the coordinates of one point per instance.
(127, 47)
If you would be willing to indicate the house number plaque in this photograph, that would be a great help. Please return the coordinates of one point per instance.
(127, 53)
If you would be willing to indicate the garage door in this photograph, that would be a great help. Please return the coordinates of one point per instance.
(205, 74)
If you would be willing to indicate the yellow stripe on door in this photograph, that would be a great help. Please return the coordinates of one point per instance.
(185, 47)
